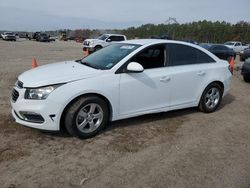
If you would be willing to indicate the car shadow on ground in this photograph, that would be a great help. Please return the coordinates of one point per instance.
(150, 118)
(228, 99)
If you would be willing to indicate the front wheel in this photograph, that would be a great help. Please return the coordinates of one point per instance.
(97, 48)
(86, 117)
(211, 98)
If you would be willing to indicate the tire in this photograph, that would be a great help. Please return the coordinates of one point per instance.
(211, 98)
(97, 48)
(242, 58)
(86, 117)
(246, 79)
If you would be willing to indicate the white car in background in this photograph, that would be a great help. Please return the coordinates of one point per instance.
(123, 80)
(237, 46)
(8, 36)
(102, 41)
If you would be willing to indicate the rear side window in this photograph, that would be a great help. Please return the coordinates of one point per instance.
(120, 38)
(179, 54)
(116, 38)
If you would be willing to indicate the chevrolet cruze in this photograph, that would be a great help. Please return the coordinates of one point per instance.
(123, 80)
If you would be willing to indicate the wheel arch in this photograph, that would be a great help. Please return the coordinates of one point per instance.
(62, 126)
(98, 45)
(220, 83)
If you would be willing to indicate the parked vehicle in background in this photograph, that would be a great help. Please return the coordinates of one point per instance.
(191, 41)
(52, 39)
(236, 46)
(245, 71)
(43, 37)
(245, 54)
(35, 36)
(102, 41)
(8, 36)
(125, 79)
(221, 51)
(166, 37)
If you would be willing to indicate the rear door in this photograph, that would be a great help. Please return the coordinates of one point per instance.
(189, 68)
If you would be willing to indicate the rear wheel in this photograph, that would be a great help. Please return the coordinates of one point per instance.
(86, 117)
(211, 98)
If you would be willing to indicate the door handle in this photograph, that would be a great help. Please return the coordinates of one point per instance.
(201, 73)
(165, 79)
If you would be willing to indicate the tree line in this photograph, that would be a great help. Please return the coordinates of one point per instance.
(201, 31)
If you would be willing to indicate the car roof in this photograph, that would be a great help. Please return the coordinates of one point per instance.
(155, 41)
(232, 41)
(114, 34)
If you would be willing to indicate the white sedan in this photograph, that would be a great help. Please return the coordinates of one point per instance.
(123, 80)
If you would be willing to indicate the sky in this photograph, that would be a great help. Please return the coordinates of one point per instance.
(31, 15)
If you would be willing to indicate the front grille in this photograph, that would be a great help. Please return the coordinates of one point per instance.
(15, 95)
(19, 84)
(86, 43)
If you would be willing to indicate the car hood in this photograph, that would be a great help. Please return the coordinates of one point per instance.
(57, 73)
(93, 40)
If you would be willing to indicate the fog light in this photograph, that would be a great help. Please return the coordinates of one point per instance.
(31, 117)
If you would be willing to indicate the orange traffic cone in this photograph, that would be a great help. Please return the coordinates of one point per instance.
(232, 63)
(34, 63)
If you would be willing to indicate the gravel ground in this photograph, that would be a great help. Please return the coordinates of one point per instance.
(184, 148)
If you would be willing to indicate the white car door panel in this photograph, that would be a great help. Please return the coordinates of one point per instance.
(144, 91)
(184, 83)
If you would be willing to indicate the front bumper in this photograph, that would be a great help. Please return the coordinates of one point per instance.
(10, 38)
(89, 48)
(47, 109)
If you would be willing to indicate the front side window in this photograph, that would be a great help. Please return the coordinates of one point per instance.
(109, 56)
(112, 38)
(152, 57)
(179, 54)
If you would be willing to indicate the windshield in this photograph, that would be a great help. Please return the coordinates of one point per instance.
(102, 37)
(109, 56)
(9, 33)
(229, 43)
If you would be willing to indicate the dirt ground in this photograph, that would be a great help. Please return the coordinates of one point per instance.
(184, 148)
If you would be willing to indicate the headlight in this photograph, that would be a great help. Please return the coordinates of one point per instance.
(91, 43)
(39, 93)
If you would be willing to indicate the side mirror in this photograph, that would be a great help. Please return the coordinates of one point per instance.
(108, 40)
(135, 67)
